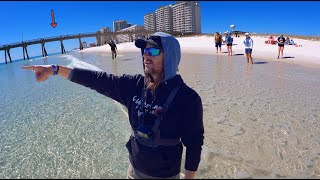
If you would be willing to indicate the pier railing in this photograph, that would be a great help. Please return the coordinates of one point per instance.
(98, 35)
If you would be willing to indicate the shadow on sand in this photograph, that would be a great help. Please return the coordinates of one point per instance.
(286, 57)
(234, 54)
(126, 59)
(260, 62)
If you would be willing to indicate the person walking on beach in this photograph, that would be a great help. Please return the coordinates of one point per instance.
(248, 43)
(218, 40)
(281, 40)
(165, 114)
(114, 48)
(229, 41)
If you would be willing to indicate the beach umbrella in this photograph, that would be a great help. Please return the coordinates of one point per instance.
(232, 27)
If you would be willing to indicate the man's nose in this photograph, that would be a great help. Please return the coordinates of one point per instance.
(146, 53)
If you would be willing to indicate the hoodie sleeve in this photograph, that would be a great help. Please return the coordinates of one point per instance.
(193, 134)
(115, 87)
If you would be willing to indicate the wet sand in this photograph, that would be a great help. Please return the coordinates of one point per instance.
(261, 120)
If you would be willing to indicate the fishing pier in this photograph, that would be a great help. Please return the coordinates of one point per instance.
(101, 38)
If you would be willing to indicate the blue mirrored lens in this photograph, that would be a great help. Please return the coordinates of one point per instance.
(152, 51)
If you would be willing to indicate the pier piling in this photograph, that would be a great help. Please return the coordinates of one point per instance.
(5, 56)
(9, 55)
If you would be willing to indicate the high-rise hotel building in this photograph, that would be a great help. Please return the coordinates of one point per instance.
(164, 19)
(150, 22)
(186, 17)
(183, 16)
(120, 24)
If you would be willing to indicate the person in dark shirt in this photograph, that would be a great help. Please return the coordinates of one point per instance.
(218, 40)
(165, 114)
(281, 41)
(113, 48)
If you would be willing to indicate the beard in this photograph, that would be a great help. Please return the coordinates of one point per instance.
(148, 76)
(152, 72)
(148, 72)
(150, 81)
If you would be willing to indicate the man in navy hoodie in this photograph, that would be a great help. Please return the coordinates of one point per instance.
(164, 113)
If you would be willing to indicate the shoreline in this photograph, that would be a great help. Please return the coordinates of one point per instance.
(304, 55)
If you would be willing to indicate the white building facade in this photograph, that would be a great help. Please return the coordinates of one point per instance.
(130, 37)
(186, 17)
(182, 17)
(105, 39)
(150, 22)
(164, 19)
(120, 24)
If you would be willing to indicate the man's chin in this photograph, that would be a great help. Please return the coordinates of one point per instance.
(147, 71)
(151, 72)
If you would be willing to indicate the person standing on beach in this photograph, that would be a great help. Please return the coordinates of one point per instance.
(229, 41)
(114, 48)
(165, 114)
(281, 40)
(248, 43)
(218, 40)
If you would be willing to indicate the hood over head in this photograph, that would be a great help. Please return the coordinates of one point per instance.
(171, 48)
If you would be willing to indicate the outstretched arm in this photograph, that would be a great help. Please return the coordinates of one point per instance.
(115, 87)
(43, 72)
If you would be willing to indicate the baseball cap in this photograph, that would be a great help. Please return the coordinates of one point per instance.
(152, 40)
(246, 34)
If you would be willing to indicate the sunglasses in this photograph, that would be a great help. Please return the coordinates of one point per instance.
(152, 51)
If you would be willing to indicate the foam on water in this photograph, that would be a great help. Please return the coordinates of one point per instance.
(75, 62)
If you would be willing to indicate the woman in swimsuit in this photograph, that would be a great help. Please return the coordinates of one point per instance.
(281, 41)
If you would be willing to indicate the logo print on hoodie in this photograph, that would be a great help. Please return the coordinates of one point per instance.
(155, 109)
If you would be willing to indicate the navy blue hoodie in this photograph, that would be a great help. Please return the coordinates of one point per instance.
(183, 119)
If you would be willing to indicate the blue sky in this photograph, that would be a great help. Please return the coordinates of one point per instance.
(31, 20)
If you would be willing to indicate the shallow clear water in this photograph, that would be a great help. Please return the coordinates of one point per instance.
(260, 120)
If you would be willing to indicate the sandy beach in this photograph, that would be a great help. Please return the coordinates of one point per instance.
(306, 54)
